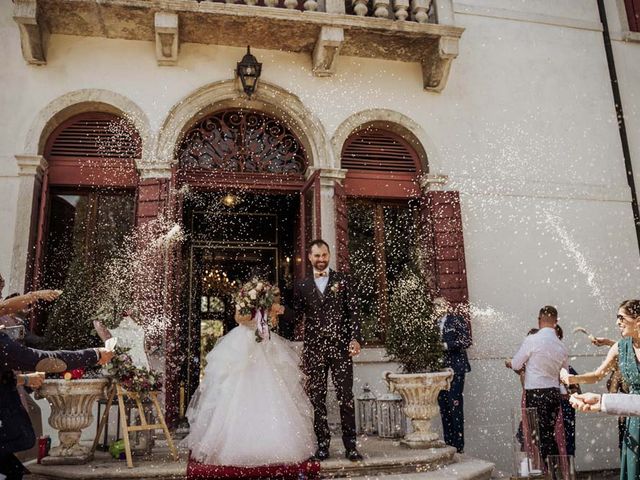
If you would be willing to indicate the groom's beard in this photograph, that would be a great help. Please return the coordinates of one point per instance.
(320, 266)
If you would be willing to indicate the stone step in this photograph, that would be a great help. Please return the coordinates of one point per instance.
(385, 457)
(463, 468)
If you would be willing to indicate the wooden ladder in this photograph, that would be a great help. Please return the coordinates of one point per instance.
(116, 388)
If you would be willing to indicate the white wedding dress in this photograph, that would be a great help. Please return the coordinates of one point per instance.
(250, 408)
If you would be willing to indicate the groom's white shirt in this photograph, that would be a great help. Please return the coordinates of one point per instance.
(321, 282)
(625, 404)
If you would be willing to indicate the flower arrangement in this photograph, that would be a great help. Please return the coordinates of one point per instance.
(130, 377)
(255, 298)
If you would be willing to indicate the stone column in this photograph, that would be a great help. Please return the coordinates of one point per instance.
(328, 177)
(30, 172)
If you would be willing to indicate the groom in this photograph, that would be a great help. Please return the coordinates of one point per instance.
(331, 338)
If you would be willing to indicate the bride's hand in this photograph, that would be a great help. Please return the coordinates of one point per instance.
(565, 377)
(243, 319)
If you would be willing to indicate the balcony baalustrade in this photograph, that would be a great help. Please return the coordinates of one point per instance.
(405, 30)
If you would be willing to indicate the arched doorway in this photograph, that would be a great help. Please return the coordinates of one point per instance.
(248, 209)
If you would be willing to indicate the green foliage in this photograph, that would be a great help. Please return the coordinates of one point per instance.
(413, 336)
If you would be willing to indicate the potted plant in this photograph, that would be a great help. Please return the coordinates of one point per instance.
(413, 340)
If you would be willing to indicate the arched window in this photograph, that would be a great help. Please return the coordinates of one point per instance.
(378, 219)
(242, 142)
(87, 210)
(384, 219)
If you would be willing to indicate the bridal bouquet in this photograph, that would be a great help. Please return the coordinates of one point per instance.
(255, 298)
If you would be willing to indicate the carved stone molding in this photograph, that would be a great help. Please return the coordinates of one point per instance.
(322, 33)
(25, 14)
(437, 63)
(326, 51)
(167, 38)
(31, 165)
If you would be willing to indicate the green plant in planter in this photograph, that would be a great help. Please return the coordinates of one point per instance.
(413, 336)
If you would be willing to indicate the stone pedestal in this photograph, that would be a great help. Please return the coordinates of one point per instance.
(71, 411)
(420, 394)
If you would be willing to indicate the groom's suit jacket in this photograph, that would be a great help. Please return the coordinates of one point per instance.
(332, 315)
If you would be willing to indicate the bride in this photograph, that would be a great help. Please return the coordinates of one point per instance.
(250, 408)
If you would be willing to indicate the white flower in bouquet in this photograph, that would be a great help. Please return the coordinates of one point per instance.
(253, 294)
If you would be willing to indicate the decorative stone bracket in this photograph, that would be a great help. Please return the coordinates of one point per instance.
(326, 51)
(436, 65)
(167, 38)
(25, 14)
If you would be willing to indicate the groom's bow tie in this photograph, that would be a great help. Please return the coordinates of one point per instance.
(320, 274)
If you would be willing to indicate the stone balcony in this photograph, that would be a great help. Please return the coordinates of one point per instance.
(420, 31)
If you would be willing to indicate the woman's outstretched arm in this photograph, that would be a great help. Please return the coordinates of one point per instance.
(598, 374)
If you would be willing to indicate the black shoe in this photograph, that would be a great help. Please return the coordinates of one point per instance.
(353, 455)
(321, 454)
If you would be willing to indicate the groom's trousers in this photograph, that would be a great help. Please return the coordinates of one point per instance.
(318, 359)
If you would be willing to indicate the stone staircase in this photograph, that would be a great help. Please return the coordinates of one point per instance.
(383, 459)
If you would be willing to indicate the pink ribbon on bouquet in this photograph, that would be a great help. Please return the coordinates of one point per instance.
(262, 324)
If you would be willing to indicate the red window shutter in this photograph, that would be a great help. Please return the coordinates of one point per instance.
(94, 149)
(633, 14)
(377, 150)
(153, 197)
(448, 241)
(342, 227)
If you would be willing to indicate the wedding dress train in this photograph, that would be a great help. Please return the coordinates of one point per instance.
(250, 408)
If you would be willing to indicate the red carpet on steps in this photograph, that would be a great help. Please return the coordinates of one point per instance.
(301, 471)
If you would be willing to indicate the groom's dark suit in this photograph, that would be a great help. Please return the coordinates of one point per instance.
(330, 324)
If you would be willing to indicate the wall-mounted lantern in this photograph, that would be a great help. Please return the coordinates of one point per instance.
(249, 69)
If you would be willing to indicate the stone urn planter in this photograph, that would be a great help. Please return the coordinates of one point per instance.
(420, 394)
(71, 411)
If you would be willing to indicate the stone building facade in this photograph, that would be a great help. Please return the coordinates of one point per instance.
(494, 122)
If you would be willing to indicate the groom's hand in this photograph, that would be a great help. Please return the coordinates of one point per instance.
(354, 348)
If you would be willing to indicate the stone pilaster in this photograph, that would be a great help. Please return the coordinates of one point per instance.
(30, 172)
(328, 178)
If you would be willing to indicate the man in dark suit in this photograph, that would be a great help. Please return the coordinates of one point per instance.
(331, 338)
(16, 433)
(456, 338)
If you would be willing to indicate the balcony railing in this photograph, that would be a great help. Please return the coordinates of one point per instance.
(420, 11)
(420, 31)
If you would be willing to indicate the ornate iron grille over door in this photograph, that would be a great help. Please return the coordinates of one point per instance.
(242, 141)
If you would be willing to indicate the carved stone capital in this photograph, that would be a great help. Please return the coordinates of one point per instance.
(154, 170)
(329, 176)
(326, 51)
(167, 38)
(31, 165)
(25, 14)
(437, 63)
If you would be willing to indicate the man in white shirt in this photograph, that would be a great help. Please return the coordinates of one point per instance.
(543, 355)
